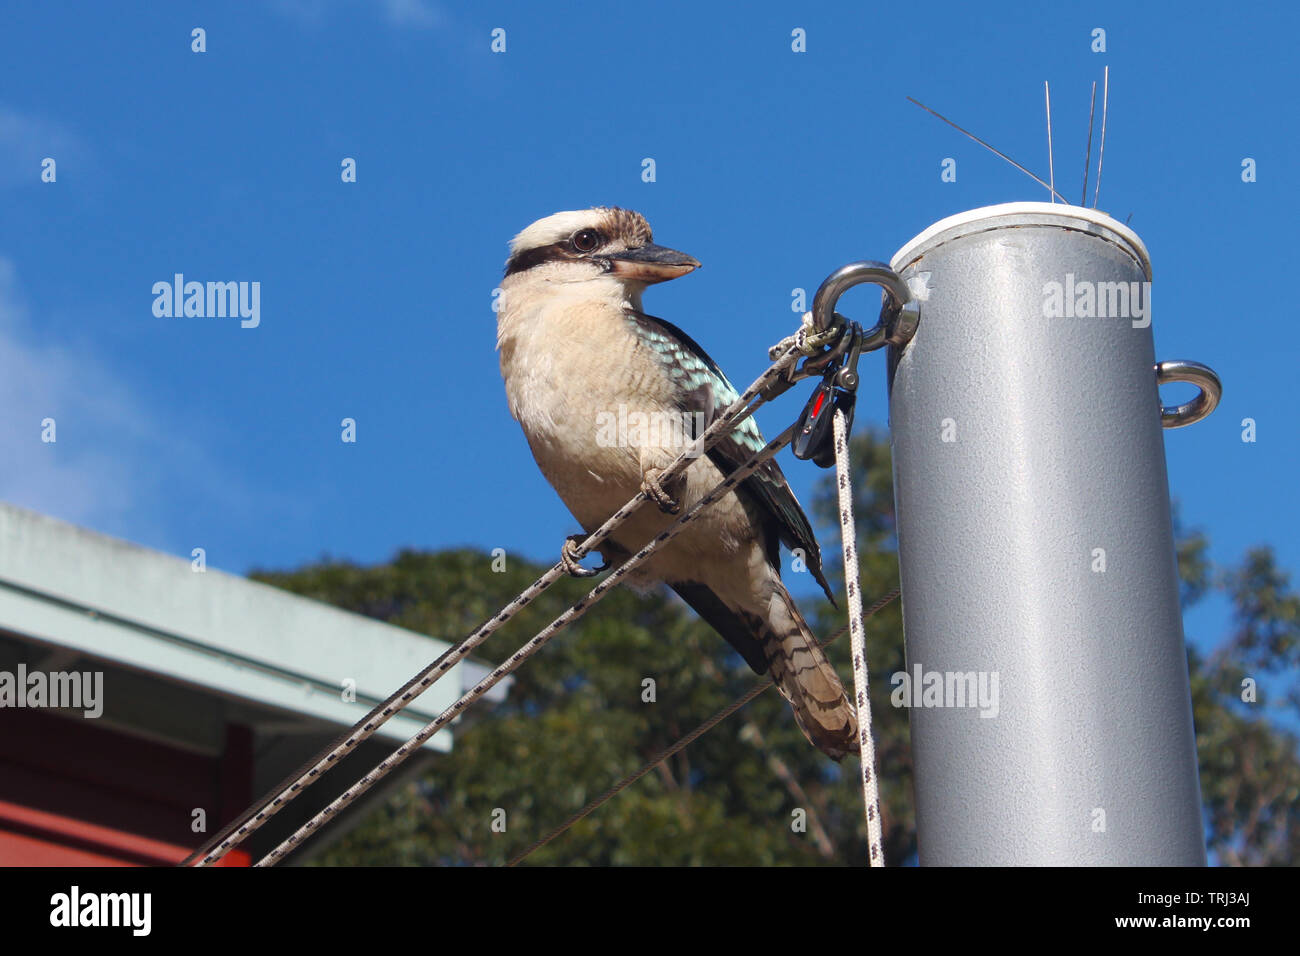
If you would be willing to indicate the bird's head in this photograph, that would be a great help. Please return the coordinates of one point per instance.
(598, 243)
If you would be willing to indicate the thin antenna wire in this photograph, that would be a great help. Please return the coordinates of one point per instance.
(1087, 157)
(988, 147)
(1051, 162)
(1101, 152)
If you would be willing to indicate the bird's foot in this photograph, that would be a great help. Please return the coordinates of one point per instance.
(572, 561)
(653, 490)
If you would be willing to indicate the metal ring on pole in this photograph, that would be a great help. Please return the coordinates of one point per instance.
(1202, 376)
(896, 328)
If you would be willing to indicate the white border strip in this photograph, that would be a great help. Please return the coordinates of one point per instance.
(1053, 213)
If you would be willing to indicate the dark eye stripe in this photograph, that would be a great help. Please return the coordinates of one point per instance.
(525, 260)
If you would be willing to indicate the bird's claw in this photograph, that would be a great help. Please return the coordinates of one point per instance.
(571, 561)
(653, 490)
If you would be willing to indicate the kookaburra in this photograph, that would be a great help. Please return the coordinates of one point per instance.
(578, 353)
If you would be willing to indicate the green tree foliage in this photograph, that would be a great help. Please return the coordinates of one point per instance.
(753, 792)
(1243, 693)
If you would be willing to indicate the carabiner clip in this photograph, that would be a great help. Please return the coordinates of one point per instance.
(814, 437)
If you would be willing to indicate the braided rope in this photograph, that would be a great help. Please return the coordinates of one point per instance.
(777, 378)
(852, 577)
(527, 650)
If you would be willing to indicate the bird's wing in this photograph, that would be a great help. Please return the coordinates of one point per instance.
(703, 387)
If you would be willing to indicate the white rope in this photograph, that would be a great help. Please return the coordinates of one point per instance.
(866, 742)
(719, 491)
(778, 377)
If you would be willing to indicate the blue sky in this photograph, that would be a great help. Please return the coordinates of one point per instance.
(773, 168)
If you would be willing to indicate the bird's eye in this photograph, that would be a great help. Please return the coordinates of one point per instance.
(586, 240)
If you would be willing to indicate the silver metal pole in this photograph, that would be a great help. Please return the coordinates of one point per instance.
(1047, 678)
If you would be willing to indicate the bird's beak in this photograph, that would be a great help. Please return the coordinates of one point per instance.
(651, 263)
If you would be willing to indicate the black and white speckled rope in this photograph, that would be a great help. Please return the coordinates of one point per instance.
(527, 650)
(778, 377)
(866, 741)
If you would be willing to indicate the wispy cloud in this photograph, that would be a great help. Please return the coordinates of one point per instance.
(113, 459)
(419, 14)
(26, 140)
(70, 479)
(400, 14)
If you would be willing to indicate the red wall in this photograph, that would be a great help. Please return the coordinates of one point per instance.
(73, 793)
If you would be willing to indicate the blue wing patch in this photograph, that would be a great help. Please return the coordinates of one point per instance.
(704, 387)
